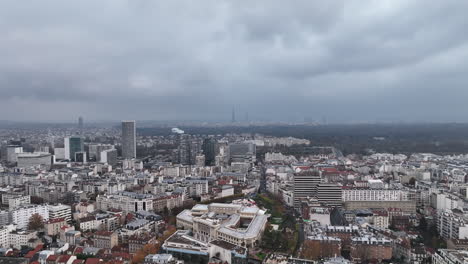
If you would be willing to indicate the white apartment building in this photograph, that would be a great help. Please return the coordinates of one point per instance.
(126, 201)
(452, 225)
(100, 221)
(4, 218)
(197, 187)
(358, 194)
(60, 211)
(20, 238)
(450, 256)
(15, 202)
(5, 235)
(89, 223)
(227, 190)
(20, 216)
(442, 201)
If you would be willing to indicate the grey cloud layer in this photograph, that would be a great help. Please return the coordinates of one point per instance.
(139, 59)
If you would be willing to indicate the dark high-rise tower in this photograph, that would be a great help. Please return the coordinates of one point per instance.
(72, 146)
(128, 139)
(80, 122)
(189, 147)
(209, 150)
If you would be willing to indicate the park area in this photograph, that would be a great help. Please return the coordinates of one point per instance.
(281, 233)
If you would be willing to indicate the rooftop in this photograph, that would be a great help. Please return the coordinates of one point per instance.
(229, 246)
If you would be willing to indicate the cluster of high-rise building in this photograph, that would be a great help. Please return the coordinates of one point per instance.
(94, 194)
(109, 192)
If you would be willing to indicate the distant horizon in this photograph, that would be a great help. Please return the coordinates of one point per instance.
(228, 123)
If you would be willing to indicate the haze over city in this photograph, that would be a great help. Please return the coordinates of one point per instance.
(347, 61)
(233, 132)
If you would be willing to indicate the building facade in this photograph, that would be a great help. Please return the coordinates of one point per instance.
(128, 139)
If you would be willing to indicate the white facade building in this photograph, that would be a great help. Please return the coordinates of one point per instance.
(209, 222)
(20, 216)
(442, 201)
(374, 195)
(451, 225)
(15, 202)
(126, 201)
(60, 211)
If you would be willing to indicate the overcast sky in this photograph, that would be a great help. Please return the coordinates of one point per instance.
(382, 60)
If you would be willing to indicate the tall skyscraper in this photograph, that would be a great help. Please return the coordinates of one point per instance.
(128, 139)
(305, 185)
(80, 122)
(184, 150)
(189, 147)
(209, 150)
(73, 145)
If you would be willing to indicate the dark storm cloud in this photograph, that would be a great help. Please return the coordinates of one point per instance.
(277, 60)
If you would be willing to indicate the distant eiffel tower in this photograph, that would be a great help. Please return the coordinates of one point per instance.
(233, 117)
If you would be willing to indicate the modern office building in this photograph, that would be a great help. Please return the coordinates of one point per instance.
(12, 152)
(33, 159)
(329, 194)
(20, 216)
(305, 185)
(72, 145)
(128, 139)
(184, 150)
(209, 150)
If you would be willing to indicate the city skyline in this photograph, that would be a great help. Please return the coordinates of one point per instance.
(371, 61)
(233, 132)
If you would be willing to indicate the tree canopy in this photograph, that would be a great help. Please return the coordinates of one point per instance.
(36, 222)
